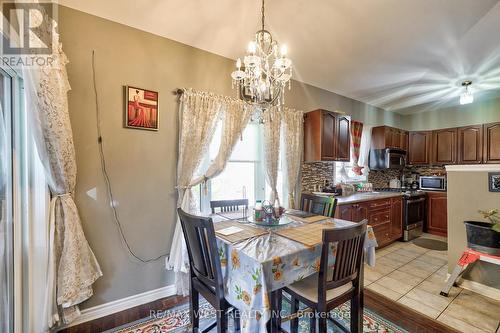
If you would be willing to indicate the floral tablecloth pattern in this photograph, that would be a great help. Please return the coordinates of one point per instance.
(255, 267)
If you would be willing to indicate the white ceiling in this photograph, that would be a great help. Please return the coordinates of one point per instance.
(394, 54)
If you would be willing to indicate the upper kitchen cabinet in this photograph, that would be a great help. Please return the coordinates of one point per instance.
(404, 140)
(491, 139)
(444, 146)
(419, 146)
(326, 136)
(470, 144)
(388, 137)
(343, 143)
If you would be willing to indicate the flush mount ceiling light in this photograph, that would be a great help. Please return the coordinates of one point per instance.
(466, 97)
(265, 71)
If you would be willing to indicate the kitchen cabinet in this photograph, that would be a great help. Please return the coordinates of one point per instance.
(404, 140)
(344, 212)
(326, 136)
(470, 144)
(491, 140)
(437, 213)
(384, 215)
(444, 146)
(343, 139)
(397, 217)
(388, 137)
(395, 138)
(419, 146)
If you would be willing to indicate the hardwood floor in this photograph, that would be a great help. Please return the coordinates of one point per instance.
(403, 316)
(126, 316)
(392, 311)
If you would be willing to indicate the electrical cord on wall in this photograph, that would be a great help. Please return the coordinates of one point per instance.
(106, 177)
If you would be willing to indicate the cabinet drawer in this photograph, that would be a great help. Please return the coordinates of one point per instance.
(379, 217)
(379, 204)
(382, 233)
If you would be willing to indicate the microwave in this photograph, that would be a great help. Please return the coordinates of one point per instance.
(432, 183)
(388, 158)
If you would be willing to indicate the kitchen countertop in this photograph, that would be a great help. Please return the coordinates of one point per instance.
(364, 196)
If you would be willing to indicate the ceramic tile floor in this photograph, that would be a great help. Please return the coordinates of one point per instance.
(413, 276)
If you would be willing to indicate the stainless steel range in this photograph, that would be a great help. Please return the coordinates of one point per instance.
(413, 211)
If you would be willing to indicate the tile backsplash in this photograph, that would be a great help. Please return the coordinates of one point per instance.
(381, 178)
(315, 173)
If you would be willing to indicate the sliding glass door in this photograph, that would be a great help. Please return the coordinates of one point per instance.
(6, 206)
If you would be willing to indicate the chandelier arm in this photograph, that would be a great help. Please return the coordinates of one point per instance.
(263, 16)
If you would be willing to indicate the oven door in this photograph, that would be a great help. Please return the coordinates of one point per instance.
(414, 218)
(415, 210)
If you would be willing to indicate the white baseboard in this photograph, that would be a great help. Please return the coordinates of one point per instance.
(478, 288)
(122, 304)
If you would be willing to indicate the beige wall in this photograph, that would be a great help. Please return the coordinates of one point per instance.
(479, 112)
(142, 164)
(467, 193)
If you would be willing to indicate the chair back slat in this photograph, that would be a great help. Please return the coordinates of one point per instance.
(320, 205)
(199, 235)
(349, 242)
(225, 206)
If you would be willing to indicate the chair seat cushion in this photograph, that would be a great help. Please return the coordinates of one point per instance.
(308, 288)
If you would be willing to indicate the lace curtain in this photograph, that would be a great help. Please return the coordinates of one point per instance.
(272, 129)
(199, 113)
(73, 267)
(293, 126)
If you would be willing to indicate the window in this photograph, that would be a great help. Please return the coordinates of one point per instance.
(23, 220)
(6, 205)
(244, 176)
(347, 176)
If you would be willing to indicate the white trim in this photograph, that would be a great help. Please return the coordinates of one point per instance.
(474, 167)
(122, 304)
(479, 288)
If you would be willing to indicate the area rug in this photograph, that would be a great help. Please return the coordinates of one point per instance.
(176, 320)
(431, 244)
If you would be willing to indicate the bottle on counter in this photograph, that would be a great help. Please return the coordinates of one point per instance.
(257, 211)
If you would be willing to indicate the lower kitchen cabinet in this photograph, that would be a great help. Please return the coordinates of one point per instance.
(437, 213)
(384, 215)
(397, 217)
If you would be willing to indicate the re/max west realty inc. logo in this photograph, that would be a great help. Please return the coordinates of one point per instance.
(27, 33)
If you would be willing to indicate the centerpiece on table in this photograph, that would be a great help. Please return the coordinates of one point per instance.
(267, 214)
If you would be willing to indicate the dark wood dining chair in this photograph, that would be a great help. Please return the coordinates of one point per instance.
(229, 205)
(329, 288)
(205, 270)
(316, 204)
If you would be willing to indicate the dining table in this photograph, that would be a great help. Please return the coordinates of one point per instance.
(256, 268)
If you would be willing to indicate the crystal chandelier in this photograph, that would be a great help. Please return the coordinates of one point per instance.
(466, 97)
(264, 73)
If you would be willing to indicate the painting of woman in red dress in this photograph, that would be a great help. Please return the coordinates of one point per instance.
(142, 109)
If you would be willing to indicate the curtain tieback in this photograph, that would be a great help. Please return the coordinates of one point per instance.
(185, 187)
(62, 195)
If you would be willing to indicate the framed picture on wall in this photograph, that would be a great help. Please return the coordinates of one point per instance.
(141, 108)
(494, 181)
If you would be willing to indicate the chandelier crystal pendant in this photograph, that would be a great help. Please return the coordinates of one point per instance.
(264, 73)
